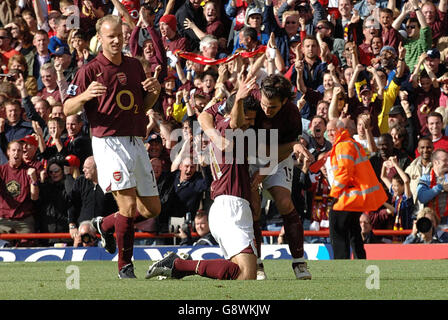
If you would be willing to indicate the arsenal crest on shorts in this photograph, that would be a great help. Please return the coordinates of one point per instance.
(122, 78)
(117, 176)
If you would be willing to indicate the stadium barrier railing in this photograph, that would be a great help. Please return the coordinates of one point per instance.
(142, 235)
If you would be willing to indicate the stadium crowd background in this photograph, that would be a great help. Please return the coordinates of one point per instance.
(380, 65)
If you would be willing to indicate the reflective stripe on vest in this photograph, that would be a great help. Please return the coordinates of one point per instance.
(361, 193)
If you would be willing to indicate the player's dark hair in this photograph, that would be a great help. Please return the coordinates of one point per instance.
(276, 86)
(251, 104)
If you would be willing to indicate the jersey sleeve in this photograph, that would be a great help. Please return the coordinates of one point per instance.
(79, 84)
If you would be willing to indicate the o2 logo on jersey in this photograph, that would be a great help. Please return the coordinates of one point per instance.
(127, 105)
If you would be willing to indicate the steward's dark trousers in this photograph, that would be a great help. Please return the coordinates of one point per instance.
(345, 231)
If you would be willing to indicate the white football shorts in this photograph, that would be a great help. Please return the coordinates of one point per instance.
(123, 163)
(282, 176)
(231, 224)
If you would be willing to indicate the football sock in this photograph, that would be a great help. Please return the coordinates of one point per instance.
(215, 269)
(108, 223)
(124, 229)
(294, 234)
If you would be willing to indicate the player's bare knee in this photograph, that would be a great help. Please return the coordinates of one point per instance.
(149, 207)
(247, 272)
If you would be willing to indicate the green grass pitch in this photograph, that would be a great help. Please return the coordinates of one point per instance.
(332, 280)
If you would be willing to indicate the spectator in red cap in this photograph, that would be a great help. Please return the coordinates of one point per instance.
(172, 40)
(30, 154)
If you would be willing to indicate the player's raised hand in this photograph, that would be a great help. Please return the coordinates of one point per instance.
(245, 86)
(152, 85)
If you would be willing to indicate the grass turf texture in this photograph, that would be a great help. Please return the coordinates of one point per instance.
(332, 280)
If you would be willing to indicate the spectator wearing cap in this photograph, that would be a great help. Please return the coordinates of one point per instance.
(65, 68)
(432, 62)
(171, 36)
(419, 38)
(60, 39)
(156, 149)
(254, 19)
(364, 102)
(236, 10)
(13, 127)
(398, 116)
(193, 11)
(31, 154)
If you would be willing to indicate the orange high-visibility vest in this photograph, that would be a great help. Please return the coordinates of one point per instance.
(355, 184)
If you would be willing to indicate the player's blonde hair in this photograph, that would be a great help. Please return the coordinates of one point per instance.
(109, 18)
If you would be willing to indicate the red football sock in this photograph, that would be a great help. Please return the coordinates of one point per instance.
(215, 269)
(294, 233)
(108, 223)
(124, 228)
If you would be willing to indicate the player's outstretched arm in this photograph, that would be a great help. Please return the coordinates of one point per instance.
(75, 104)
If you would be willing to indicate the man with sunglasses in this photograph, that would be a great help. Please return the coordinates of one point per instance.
(5, 45)
(371, 29)
(419, 36)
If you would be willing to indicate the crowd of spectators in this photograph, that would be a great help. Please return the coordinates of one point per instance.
(380, 66)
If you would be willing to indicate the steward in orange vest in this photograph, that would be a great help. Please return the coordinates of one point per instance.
(355, 186)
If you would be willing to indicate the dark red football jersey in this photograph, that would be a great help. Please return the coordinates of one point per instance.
(15, 196)
(119, 112)
(228, 178)
(287, 121)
